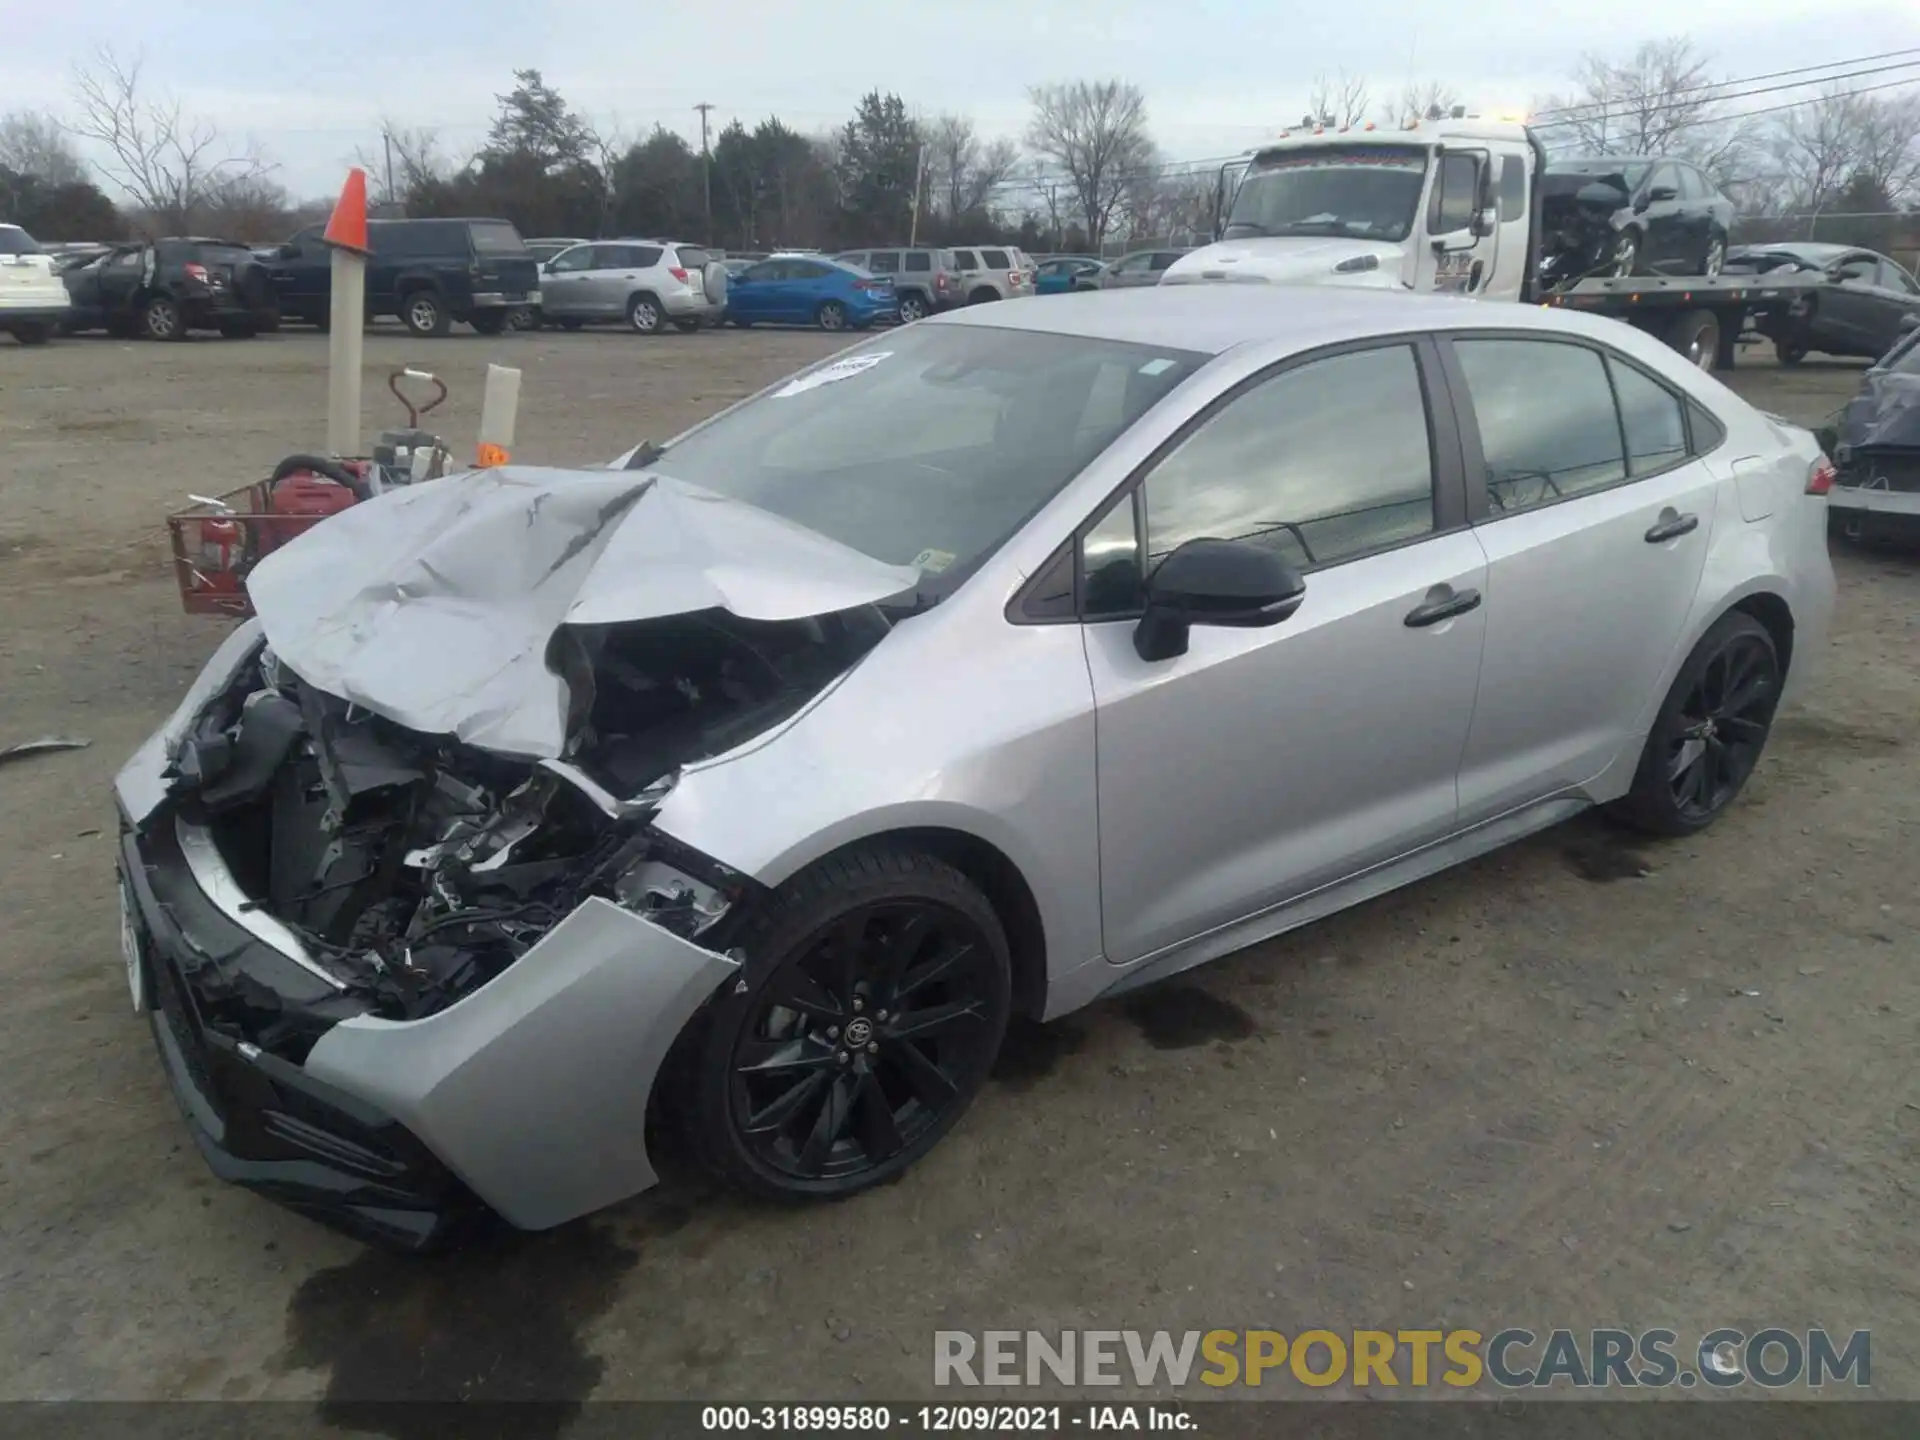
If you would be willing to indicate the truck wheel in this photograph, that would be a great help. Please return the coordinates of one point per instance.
(425, 314)
(1696, 335)
(32, 332)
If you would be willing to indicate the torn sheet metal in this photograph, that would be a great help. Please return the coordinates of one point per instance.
(434, 604)
(1885, 414)
(45, 745)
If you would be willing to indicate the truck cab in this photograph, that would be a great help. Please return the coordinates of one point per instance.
(1437, 205)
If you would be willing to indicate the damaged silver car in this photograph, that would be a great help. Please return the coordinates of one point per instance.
(752, 784)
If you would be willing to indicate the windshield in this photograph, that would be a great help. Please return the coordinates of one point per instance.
(1631, 171)
(931, 445)
(15, 241)
(1371, 193)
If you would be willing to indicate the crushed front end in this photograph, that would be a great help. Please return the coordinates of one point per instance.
(1876, 451)
(398, 981)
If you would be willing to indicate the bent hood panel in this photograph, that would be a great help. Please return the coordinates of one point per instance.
(1885, 413)
(434, 605)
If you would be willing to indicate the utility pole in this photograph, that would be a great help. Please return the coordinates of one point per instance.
(706, 169)
(919, 184)
(386, 137)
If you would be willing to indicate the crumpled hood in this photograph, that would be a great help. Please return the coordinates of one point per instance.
(1289, 260)
(1885, 414)
(434, 604)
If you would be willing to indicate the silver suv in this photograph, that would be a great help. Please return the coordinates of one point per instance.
(995, 272)
(924, 281)
(644, 283)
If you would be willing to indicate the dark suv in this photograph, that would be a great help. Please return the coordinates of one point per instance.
(161, 289)
(429, 273)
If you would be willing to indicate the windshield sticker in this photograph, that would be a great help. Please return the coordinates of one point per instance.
(932, 562)
(1156, 367)
(844, 369)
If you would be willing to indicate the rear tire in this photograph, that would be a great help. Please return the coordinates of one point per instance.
(643, 315)
(160, 319)
(569, 325)
(687, 327)
(33, 333)
(424, 314)
(1790, 352)
(489, 322)
(983, 296)
(886, 939)
(1709, 732)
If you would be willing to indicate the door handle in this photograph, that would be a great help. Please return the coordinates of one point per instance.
(1672, 527)
(1434, 611)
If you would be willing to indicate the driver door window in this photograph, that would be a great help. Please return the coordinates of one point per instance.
(569, 261)
(1455, 194)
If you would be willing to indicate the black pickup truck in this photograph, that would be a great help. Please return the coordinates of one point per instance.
(428, 273)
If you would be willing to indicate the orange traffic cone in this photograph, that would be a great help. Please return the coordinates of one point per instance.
(347, 229)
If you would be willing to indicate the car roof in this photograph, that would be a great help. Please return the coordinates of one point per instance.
(1212, 318)
(1818, 251)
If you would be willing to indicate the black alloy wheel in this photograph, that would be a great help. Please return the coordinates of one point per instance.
(1710, 732)
(868, 1035)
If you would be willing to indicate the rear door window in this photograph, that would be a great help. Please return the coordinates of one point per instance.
(885, 262)
(918, 262)
(1549, 429)
(963, 260)
(996, 259)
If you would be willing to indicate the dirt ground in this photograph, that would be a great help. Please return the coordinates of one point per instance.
(1578, 1083)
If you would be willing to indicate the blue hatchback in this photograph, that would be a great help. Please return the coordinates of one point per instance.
(801, 290)
(1064, 274)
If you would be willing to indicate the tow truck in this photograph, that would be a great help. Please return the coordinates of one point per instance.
(1449, 203)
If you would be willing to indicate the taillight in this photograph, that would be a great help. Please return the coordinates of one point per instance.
(677, 273)
(196, 272)
(1820, 476)
(940, 282)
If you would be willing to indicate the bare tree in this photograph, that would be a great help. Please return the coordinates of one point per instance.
(34, 144)
(1342, 100)
(1096, 133)
(1890, 144)
(411, 156)
(1661, 100)
(1420, 100)
(169, 164)
(1811, 150)
(952, 149)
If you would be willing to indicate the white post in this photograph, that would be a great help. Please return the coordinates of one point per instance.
(499, 412)
(346, 350)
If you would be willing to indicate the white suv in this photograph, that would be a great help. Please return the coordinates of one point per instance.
(993, 272)
(644, 283)
(33, 300)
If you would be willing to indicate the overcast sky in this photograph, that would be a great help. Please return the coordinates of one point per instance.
(310, 82)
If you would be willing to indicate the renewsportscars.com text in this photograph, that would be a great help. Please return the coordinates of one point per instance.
(1458, 1359)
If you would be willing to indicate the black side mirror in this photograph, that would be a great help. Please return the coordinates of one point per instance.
(1214, 582)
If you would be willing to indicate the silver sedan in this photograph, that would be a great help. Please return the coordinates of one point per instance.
(754, 783)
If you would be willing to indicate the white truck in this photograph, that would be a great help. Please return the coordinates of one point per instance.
(1449, 204)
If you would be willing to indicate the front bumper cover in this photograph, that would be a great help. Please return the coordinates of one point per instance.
(527, 1097)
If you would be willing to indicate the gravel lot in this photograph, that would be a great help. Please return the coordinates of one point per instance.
(1540, 1090)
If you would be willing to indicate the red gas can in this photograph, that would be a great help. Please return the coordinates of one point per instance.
(298, 500)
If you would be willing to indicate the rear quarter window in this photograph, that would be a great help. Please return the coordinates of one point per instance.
(692, 257)
(497, 237)
(15, 241)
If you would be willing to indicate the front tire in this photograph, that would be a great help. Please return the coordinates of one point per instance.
(867, 1016)
(1625, 260)
(912, 308)
(1709, 732)
(831, 316)
(425, 314)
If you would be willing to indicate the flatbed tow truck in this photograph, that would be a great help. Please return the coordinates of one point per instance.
(1451, 204)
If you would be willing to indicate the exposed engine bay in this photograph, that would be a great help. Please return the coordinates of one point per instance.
(416, 868)
(1577, 233)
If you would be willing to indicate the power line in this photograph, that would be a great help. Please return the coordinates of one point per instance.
(1748, 80)
(1630, 109)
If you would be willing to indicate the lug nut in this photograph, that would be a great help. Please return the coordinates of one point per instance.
(858, 1004)
(874, 1049)
(833, 1032)
(845, 1057)
(879, 1014)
